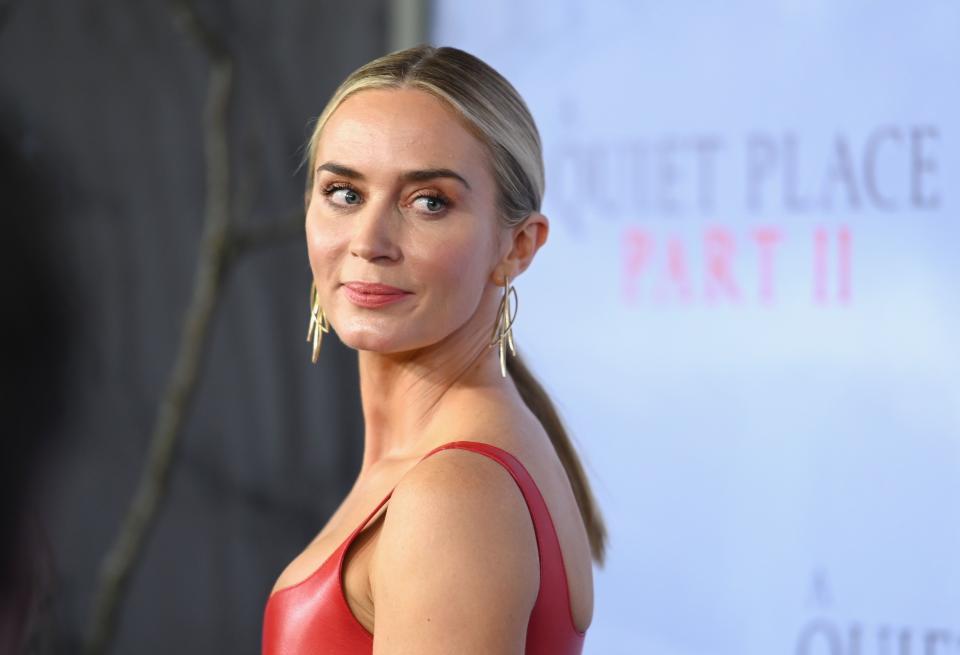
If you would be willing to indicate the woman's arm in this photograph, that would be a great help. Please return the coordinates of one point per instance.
(456, 568)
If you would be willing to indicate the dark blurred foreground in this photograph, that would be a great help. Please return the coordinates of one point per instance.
(103, 194)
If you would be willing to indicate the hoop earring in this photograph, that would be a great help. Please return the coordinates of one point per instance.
(318, 322)
(503, 330)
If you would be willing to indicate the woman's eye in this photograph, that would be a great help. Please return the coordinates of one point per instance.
(347, 195)
(432, 204)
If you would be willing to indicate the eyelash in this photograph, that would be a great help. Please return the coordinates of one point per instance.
(336, 186)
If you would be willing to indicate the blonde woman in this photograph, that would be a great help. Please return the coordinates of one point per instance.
(425, 179)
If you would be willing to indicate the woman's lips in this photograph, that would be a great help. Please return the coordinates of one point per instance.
(373, 295)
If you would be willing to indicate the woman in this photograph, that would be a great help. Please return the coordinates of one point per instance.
(424, 185)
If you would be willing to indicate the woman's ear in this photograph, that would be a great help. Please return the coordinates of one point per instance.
(528, 237)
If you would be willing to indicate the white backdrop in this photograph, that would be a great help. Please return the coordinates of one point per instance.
(748, 310)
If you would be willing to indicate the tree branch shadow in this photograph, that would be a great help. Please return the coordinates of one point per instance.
(221, 246)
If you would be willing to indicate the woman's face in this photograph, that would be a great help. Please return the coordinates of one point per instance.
(402, 196)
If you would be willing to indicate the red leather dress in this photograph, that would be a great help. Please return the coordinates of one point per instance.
(312, 616)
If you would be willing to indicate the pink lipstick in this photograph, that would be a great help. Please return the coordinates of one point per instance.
(367, 294)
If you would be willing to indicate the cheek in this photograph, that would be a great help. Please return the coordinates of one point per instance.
(323, 244)
(457, 268)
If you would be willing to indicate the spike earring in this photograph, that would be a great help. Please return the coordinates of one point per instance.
(318, 322)
(503, 330)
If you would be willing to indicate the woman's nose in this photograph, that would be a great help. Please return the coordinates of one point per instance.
(375, 234)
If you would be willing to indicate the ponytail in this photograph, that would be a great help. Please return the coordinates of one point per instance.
(537, 400)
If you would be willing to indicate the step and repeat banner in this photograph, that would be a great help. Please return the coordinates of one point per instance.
(748, 310)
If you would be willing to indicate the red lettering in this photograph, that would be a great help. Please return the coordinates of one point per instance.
(637, 247)
(766, 238)
(718, 252)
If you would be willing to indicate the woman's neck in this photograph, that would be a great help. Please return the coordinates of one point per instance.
(408, 399)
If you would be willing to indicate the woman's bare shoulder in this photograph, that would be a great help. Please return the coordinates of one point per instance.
(457, 555)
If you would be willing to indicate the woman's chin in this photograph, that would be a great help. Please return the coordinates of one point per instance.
(370, 341)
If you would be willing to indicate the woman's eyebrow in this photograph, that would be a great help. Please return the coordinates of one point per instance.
(412, 176)
(431, 173)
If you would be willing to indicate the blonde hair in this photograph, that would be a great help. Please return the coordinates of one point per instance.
(499, 118)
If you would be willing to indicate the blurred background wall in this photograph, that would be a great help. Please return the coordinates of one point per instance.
(748, 309)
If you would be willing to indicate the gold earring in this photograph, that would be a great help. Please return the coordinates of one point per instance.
(318, 322)
(503, 330)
